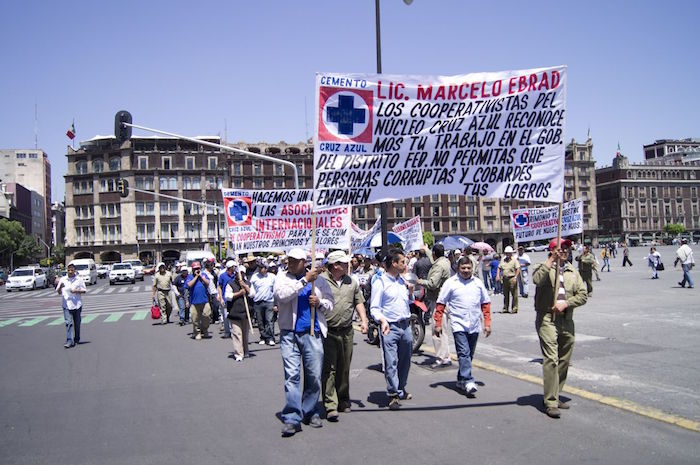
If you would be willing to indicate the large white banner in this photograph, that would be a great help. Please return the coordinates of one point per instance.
(387, 137)
(531, 224)
(279, 220)
(411, 231)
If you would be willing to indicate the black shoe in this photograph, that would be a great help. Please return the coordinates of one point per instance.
(394, 403)
(289, 429)
(681, 285)
(408, 395)
(314, 421)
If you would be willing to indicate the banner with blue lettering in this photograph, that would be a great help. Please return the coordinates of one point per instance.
(532, 224)
(388, 137)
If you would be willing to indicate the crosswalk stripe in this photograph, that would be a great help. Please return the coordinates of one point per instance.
(140, 315)
(123, 290)
(113, 317)
(88, 318)
(8, 322)
(57, 321)
(110, 290)
(34, 321)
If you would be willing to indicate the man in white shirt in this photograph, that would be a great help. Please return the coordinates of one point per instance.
(261, 285)
(523, 277)
(684, 255)
(70, 288)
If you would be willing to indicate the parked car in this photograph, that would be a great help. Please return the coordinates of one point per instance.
(537, 248)
(26, 278)
(122, 272)
(102, 271)
(137, 265)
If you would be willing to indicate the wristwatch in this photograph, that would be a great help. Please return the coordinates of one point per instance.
(304, 282)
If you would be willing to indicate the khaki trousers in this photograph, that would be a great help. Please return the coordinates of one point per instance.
(203, 312)
(165, 304)
(557, 345)
(240, 332)
(335, 378)
(510, 289)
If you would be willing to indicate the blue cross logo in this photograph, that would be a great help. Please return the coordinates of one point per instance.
(345, 114)
(238, 210)
(521, 220)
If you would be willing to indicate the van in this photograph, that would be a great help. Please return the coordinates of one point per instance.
(197, 256)
(86, 269)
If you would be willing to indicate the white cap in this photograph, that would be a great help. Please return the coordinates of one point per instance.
(508, 249)
(230, 263)
(297, 253)
(338, 256)
(159, 265)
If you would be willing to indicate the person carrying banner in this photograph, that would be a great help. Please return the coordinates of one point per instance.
(236, 292)
(555, 323)
(586, 262)
(508, 272)
(468, 299)
(221, 283)
(303, 304)
(390, 307)
(523, 281)
(338, 344)
(438, 274)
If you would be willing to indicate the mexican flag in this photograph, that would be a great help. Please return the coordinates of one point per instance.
(71, 132)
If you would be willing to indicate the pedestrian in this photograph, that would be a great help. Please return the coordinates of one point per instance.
(262, 283)
(486, 269)
(183, 296)
(625, 255)
(523, 276)
(495, 263)
(211, 274)
(162, 284)
(468, 299)
(338, 344)
(684, 256)
(200, 310)
(605, 255)
(439, 272)
(654, 258)
(237, 297)
(71, 288)
(303, 304)
(363, 274)
(423, 264)
(221, 283)
(613, 249)
(390, 307)
(586, 262)
(555, 323)
(508, 272)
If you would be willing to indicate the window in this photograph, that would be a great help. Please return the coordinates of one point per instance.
(192, 209)
(257, 183)
(471, 210)
(163, 183)
(98, 166)
(452, 198)
(454, 226)
(82, 187)
(193, 230)
(377, 212)
(436, 210)
(257, 168)
(453, 211)
(189, 163)
(237, 168)
(211, 229)
(417, 199)
(111, 233)
(398, 212)
(196, 183)
(143, 163)
(435, 198)
(212, 162)
(300, 168)
(167, 163)
(81, 167)
(115, 164)
(279, 169)
(186, 183)
(417, 210)
(436, 226)
(21, 155)
(279, 183)
(145, 231)
(653, 192)
(489, 225)
(107, 185)
(168, 208)
(110, 210)
(238, 183)
(144, 182)
(471, 225)
(361, 212)
(489, 211)
(169, 231)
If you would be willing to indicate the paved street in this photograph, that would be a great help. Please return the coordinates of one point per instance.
(142, 393)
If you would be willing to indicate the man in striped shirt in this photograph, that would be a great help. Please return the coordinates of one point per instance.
(555, 319)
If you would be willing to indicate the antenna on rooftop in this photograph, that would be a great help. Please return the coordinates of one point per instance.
(306, 120)
(36, 125)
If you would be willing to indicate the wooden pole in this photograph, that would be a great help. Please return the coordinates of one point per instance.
(245, 301)
(313, 264)
(556, 272)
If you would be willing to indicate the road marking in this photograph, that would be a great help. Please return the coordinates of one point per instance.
(57, 321)
(8, 322)
(110, 290)
(88, 318)
(34, 321)
(140, 315)
(123, 290)
(113, 317)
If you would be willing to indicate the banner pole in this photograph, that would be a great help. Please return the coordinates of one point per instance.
(313, 264)
(245, 301)
(556, 272)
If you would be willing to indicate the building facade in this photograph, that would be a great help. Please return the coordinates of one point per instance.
(101, 225)
(636, 201)
(30, 168)
(58, 223)
(673, 151)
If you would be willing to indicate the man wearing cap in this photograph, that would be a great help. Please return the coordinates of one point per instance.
(508, 272)
(162, 283)
(211, 274)
(555, 320)
(337, 346)
(468, 300)
(200, 311)
(262, 291)
(223, 280)
(684, 256)
(586, 263)
(523, 281)
(304, 302)
(71, 287)
(439, 272)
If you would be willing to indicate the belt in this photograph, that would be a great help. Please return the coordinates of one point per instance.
(339, 330)
(402, 322)
(164, 290)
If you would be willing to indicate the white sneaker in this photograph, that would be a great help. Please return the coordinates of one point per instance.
(471, 388)
(238, 358)
(262, 342)
(271, 342)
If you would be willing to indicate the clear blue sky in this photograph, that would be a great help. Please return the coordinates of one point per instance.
(187, 67)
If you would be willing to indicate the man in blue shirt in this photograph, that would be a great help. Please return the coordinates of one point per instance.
(390, 307)
(223, 280)
(200, 311)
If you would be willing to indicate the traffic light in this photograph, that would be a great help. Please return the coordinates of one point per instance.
(123, 187)
(121, 132)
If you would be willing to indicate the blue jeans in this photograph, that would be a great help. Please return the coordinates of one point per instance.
(264, 314)
(397, 347)
(606, 262)
(487, 278)
(182, 306)
(686, 276)
(465, 344)
(72, 319)
(523, 282)
(297, 348)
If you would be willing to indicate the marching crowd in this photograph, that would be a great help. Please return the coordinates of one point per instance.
(315, 303)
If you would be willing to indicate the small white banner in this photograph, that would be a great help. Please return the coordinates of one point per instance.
(531, 224)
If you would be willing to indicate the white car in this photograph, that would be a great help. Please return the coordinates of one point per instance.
(537, 248)
(137, 265)
(102, 271)
(122, 272)
(26, 278)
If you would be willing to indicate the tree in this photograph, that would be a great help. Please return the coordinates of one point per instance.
(428, 239)
(29, 251)
(58, 255)
(674, 229)
(11, 237)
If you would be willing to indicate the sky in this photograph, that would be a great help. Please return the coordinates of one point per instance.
(246, 69)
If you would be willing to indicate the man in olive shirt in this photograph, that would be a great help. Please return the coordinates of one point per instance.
(586, 262)
(162, 282)
(337, 346)
(508, 271)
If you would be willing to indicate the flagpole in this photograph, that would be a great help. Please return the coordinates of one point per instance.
(556, 272)
(313, 264)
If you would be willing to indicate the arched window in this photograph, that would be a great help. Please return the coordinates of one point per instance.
(196, 183)
(81, 167)
(172, 183)
(115, 164)
(186, 182)
(98, 166)
(163, 183)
